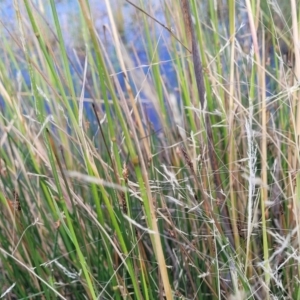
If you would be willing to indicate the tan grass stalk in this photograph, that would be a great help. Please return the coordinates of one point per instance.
(232, 147)
(296, 158)
(128, 87)
(264, 167)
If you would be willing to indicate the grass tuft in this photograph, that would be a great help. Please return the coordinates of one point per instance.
(150, 152)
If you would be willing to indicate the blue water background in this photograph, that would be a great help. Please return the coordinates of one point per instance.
(68, 12)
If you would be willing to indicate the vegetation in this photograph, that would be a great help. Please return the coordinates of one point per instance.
(99, 201)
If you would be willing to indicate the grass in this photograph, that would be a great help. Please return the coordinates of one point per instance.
(97, 202)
